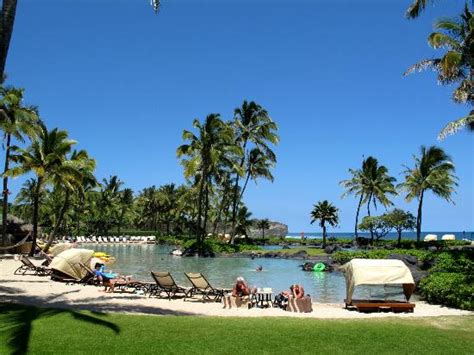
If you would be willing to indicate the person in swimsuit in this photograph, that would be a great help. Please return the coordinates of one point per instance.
(241, 288)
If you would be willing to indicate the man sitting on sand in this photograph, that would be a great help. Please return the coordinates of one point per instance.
(297, 291)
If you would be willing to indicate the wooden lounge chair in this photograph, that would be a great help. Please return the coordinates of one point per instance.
(165, 283)
(27, 266)
(381, 305)
(202, 287)
(299, 305)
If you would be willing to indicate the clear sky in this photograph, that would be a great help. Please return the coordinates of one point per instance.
(125, 83)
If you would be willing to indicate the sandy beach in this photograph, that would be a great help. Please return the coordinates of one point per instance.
(43, 292)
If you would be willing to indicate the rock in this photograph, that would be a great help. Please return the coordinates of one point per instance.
(432, 248)
(276, 229)
(407, 259)
(286, 246)
(300, 254)
(331, 249)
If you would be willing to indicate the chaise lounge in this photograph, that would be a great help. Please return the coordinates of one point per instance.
(202, 287)
(165, 283)
(27, 266)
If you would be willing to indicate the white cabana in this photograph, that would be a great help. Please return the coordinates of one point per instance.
(430, 238)
(377, 272)
(448, 237)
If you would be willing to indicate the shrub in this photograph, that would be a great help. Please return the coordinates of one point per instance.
(450, 289)
(455, 261)
(343, 257)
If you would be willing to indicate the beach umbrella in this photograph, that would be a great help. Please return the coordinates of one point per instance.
(59, 248)
(68, 262)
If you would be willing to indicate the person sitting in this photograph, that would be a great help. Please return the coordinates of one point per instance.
(297, 291)
(241, 288)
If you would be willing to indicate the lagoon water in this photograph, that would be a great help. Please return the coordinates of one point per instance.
(327, 287)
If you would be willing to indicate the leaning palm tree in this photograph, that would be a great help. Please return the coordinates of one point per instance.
(325, 212)
(355, 186)
(81, 173)
(16, 121)
(206, 152)
(45, 158)
(456, 36)
(263, 224)
(433, 171)
(253, 129)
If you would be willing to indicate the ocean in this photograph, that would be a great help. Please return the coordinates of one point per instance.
(390, 236)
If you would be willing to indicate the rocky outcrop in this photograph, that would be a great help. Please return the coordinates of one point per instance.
(277, 229)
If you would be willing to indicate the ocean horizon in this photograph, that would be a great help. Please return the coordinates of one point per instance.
(390, 236)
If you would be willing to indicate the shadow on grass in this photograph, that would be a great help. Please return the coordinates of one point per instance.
(17, 321)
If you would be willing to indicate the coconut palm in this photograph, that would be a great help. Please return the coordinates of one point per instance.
(455, 66)
(206, 153)
(243, 221)
(81, 173)
(325, 212)
(126, 204)
(16, 121)
(258, 165)
(433, 171)
(24, 200)
(46, 157)
(263, 224)
(254, 129)
(371, 184)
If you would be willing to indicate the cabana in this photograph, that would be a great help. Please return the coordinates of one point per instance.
(378, 272)
(67, 265)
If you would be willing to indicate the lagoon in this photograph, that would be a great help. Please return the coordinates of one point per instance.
(139, 259)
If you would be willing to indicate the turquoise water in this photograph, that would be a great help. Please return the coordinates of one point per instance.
(139, 259)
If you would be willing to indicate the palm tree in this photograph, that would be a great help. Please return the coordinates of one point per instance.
(377, 184)
(252, 125)
(433, 171)
(16, 121)
(455, 65)
(325, 212)
(415, 9)
(263, 224)
(126, 203)
(355, 186)
(25, 199)
(45, 157)
(243, 221)
(81, 169)
(207, 152)
(258, 165)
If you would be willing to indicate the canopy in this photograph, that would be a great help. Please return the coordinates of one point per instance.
(68, 261)
(377, 272)
(59, 248)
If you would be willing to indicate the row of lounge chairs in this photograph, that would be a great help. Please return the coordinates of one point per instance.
(109, 239)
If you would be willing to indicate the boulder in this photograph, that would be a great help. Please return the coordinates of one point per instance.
(277, 229)
(331, 249)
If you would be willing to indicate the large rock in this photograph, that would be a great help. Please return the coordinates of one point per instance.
(276, 229)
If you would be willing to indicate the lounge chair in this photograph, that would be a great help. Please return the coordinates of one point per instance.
(299, 305)
(230, 301)
(27, 265)
(165, 283)
(202, 287)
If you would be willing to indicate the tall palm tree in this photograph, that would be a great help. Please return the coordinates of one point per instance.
(377, 185)
(371, 184)
(45, 157)
(325, 212)
(16, 121)
(25, 199)
(126, 203)
(253, 126)
(206, 152)
(81, 173)
(455, 66)
(243, 221)
(263, 224)
(258, 165)
(433, 171)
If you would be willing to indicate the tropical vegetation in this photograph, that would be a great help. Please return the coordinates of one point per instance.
(325, 212)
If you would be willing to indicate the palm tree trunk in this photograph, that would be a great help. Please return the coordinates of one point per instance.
(399, 237)
(245, 186)
(357, 216)
(236, 191)
(368, 213)
(35, 215)
(7, 21)
(58, 222)
(324, 235)
(263, 236)
(5, 191)
(418, 217)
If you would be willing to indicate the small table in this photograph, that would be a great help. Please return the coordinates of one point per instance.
(263, 297)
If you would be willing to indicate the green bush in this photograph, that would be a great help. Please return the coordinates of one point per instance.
(214, 246)
(343, 257)
(450, 289)
(455, 261)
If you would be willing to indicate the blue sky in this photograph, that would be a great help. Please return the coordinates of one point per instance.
(125, 83)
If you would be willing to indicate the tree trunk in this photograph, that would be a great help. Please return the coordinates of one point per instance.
(399, 237)
(35, 215)
(324, 235)
(368, 213)
(245, 186)
(357, 215)
(199, 213)
(58, 222)
(7, 21)
(263, 236)
(418, 217)
(236, 191)
(5, 191)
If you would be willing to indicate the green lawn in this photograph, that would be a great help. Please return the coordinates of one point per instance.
(53, 331)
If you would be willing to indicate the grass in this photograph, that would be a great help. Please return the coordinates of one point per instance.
(310, 251)
(37, 331)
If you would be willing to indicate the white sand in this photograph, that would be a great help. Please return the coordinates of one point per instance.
(41, 291)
